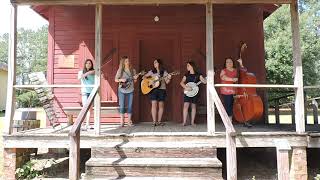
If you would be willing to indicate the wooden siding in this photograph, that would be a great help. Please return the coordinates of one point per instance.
(3, 91)
(131, 28)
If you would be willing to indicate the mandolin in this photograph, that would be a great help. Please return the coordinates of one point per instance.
(128, 83)
(153, 82)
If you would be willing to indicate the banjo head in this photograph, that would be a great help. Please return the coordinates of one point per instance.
(194, 91)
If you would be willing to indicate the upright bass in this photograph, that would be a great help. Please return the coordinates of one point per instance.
(247, 104)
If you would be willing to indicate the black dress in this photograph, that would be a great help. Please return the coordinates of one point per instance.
(192, 78)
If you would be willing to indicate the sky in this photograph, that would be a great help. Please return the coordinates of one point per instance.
(27, 18)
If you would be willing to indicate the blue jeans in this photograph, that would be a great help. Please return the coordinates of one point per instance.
(228, 103)
(122, 99)
(85, 97)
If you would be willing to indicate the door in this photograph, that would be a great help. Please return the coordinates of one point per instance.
(166, 50)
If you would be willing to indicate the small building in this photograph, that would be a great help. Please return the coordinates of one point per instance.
(206, 31)
(3, 89)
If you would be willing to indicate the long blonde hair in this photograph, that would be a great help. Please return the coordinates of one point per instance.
(121, 65)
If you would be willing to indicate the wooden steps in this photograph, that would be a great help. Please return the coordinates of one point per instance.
(147, 178)
(154, 160)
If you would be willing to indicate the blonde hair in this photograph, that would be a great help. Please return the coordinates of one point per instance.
(121, 65)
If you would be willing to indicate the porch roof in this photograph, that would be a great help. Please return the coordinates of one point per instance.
(132, 2)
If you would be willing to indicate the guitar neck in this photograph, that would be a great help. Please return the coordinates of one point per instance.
(161, 78)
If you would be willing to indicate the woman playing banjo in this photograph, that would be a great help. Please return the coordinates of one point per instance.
(191, 77)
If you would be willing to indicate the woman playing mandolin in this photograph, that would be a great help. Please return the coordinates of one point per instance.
(158, 95)
(229, 75)
(191, 76)
(125, 76)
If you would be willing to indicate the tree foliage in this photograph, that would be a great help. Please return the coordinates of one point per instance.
(32, 53)
(4, 48)
(278, 44)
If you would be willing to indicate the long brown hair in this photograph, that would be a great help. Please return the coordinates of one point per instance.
(161, 68)
(193, 65)
(84, 70)
(121, 65)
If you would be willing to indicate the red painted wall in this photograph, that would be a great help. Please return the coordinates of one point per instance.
(176, 38)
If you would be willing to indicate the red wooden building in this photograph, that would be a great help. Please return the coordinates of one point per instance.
(206, 31)
(178, 36)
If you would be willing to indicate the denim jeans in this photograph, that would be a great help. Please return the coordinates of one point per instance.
(122, 98)
(228, 103)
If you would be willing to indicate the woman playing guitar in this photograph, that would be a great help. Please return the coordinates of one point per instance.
(158, 95)
(191, 76)
(229, 75)
(125, 76)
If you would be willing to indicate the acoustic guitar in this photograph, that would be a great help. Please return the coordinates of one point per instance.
(194, 89)
(129, 81)
(153, 82)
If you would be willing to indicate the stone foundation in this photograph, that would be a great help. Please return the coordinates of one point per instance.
(13, 159)
(298, 167)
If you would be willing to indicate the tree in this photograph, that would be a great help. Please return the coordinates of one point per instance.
(4, 48)
(278, 45)
(32, 50)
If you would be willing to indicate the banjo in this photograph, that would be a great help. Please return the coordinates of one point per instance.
(194, 89)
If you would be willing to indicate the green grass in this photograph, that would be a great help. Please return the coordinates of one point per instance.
(287, 119)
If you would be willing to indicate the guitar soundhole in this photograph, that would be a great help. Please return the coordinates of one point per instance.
(150, 86)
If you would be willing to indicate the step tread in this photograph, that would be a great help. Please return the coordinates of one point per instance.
(156, 162)
(185, 144)
(149, 178)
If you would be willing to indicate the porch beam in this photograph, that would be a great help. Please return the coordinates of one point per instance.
(98, 49)
(145, 2)
(210, 69)
(297, 62)
(12, 58)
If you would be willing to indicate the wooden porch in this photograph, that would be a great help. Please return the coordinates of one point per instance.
(260, 135)
(219, 135)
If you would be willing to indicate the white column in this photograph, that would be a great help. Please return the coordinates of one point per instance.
(98, 49)
(12, 57)
(210, 69)
(298, 76)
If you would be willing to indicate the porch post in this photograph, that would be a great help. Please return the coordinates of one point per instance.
(98, 49)
(298, 76)
(12, 57)
(210, 69)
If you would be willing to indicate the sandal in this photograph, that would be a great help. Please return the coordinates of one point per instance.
(160, 123)
(130, 123)
(154, 124)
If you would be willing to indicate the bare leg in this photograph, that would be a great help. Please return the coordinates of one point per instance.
(88, 120)
(193, 113)
(154, 111)
(121, 120)
(130, 120)
(160, 113)
(185, 113)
